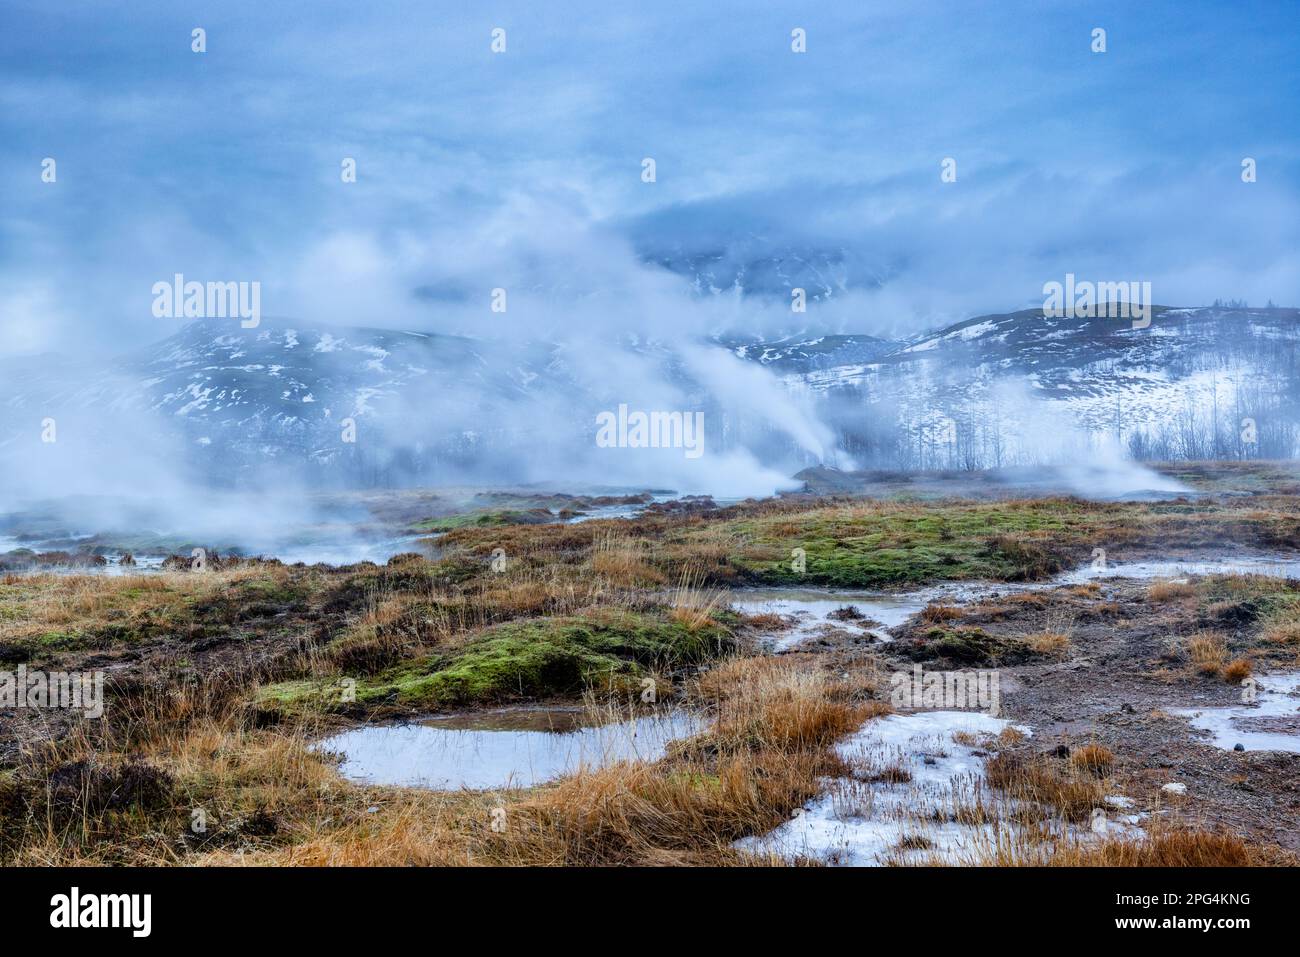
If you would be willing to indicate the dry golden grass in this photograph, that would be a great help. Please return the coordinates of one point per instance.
(1164, 844)
(1282, 633)
(1207, 651)
(269, 799)
(693, 603)
(775, 722)
(1170, 848)
(622, 561)
(767, 621)
(769, 702)
(940, 613)
(1047, 642)
(1169, 590)
(121, 792)
(1095, 758)
(1237, 671)
(1072, 795)
(408, 829)
(320, 820)
(1033, 599)
(381, 638)
(36, 605)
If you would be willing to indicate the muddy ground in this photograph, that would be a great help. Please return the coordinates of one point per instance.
(1113, 676)
(1115, 685)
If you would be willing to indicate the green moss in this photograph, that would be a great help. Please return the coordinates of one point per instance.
(540, 658)
(446, 523)
(61, 641)
(1248, 601)
(881, 550)
(864, 546)
(485, 519)
(270, 590)
(698, 781)
(306, 695)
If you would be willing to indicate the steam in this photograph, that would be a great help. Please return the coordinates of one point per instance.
(1091, 465)
(623, 333)
(609, 328)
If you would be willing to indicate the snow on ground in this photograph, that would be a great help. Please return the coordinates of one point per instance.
(908, 801)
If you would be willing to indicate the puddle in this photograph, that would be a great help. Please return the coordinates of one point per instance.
(596, 512)
(1272, 566)
(350, 552)
(518, 747)
(910, 800)
(812, 611)
(1271, 723)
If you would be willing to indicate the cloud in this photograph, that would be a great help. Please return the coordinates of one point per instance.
(226, 164)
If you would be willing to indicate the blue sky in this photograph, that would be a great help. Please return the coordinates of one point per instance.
(522, 170)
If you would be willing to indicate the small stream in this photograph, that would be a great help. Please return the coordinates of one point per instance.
(1271, 566)
(813, 610)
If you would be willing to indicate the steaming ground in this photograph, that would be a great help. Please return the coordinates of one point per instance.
(287, 410)
(340, 528)
(238, 668)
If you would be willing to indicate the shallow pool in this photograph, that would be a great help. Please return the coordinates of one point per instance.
(519, 747)
(1270, 723)
(811, 611)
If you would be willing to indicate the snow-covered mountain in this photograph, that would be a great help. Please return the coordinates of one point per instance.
(974, 392)
(751, 268)
(986, 391)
